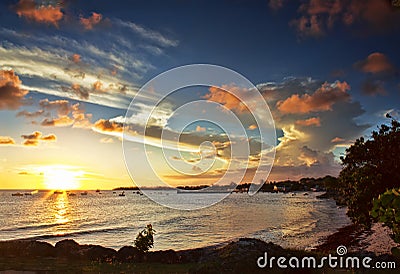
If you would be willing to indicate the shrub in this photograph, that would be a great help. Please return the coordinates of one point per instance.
(144, 240)
(386, 209)
(370, 167)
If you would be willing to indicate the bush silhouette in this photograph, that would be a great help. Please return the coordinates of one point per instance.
(370, 168)
(144, 240)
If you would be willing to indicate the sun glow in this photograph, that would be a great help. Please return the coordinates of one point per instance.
(61, 177)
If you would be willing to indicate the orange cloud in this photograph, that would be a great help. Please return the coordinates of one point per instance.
(107, 125)
(6, 140)
(41, 14)
(252, 127)
(337, 140)
(64, 111)
(375, 63)
(76, 58)
(81, 119)
(98, 86)
(62, 121)
(321, 100)
(200, 129)
(90, 22)
(50, 137)
(11, 95)
(34, 138)
(314, 121)
(222, 96)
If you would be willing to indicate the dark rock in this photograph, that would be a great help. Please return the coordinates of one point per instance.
(163, 256)
(25, 248)
(130, 254)
(67, 249)
(40, 249)
(237, 257)
(96, 253)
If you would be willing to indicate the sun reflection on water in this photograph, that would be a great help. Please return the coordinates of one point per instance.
(61, 209)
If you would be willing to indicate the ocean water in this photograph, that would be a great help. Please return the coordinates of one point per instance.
(107, 219)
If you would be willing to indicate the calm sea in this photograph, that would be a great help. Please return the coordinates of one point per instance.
(107, 219)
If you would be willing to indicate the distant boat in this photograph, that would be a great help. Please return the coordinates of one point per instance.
(84, 193)
(122, 194)
(97, 190)
(71, 194)
(18, 194)
(58, 192)
(28, 194)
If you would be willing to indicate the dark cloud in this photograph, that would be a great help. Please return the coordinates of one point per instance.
(81, 92)
(34, 138)
(306, 142)
(317, 17)
(108, 126)
(62, 107)
(11, 95)
(276, 4)
(28, 114)
(373, 87)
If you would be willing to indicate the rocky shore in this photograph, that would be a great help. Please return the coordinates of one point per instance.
(235, 257)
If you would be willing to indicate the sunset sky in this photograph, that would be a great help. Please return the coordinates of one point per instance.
(329, 71)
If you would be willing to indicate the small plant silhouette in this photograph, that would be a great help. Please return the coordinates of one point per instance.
(144, 240)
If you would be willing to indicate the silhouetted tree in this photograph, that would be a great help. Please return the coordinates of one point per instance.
(144, 240)
(370, 168)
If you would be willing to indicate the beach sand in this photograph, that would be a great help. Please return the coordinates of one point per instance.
(357, 240)
(376, 240)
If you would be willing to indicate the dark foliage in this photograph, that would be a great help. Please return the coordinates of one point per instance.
(370, 167)
(144, 240)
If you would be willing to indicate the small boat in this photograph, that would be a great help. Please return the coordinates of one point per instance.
(28, 194)
(122, 194)
(84, 193)
(18, 194)
(97, 190)
(58, 192)
(71, 194)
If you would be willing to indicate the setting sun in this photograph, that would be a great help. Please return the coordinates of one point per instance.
(60, 177)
